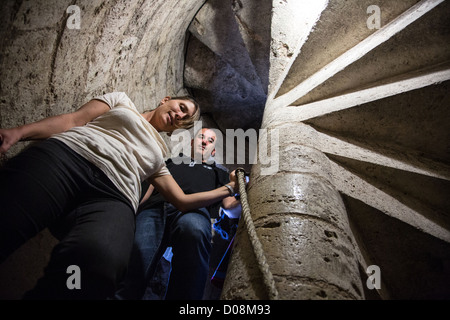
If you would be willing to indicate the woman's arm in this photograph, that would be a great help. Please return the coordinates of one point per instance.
(45, 128)
(147, 194)
(169, 188)
(230, 202)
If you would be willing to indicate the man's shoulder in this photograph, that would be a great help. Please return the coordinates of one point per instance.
(180, 159)
(221, 167)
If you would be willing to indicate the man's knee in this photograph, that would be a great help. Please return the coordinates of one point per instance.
(194, 227)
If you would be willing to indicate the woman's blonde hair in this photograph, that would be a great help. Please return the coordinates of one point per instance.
(188, 122)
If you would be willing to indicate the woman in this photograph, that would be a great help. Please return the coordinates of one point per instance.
(88, 174)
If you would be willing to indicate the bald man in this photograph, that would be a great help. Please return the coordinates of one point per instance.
(159, 225)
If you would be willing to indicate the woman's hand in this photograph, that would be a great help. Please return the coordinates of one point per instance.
(8, 137)
(171, 191)
(233, 180)
(44, 128)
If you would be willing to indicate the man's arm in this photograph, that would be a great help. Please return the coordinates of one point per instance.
(45, 128)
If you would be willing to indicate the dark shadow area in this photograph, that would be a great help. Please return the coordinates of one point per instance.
(413, 265)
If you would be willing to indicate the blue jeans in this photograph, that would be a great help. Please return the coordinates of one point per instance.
(189, 235)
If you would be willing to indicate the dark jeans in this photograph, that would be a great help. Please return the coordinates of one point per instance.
(49, 184)
(189, 235)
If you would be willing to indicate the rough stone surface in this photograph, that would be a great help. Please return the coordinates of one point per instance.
(219, 69)
(316, 256)
(302, 224)
(416, 51)
(332, 36)
(297, 194)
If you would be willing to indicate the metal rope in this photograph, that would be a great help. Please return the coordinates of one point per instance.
(269, 282)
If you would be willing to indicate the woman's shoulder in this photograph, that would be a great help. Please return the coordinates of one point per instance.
(116, 98)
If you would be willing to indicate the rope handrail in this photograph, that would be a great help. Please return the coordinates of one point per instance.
(269, 281)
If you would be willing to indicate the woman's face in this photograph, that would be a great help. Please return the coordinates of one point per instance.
(170, 112)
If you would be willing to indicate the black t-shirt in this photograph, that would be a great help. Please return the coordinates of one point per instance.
(192, 177)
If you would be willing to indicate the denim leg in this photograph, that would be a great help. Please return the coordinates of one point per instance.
(190, 238)
(148, 236)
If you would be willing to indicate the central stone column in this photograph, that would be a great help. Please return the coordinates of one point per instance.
(302, 224)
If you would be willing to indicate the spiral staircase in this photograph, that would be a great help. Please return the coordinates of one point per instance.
(377, 100)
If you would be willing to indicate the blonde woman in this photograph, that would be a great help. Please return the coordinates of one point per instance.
(88, 173)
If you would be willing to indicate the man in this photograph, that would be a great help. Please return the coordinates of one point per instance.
(159, 225)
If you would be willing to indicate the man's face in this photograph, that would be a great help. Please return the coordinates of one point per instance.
(203, 144)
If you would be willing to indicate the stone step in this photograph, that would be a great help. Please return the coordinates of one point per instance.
(232, 100)
(333, 35)
(355, 53)
(424, 194)
(407, 51)
(252, 17)
(216, 27)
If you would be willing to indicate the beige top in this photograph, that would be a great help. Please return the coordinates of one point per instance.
(122, 144)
